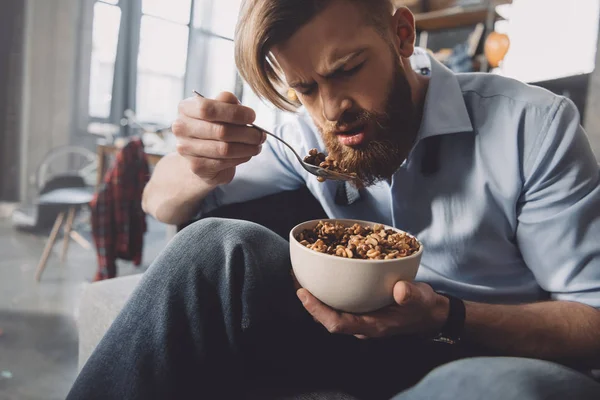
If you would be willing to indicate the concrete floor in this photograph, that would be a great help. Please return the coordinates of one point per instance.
(38, 334)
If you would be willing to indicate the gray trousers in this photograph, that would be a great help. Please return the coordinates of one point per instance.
(216, 317)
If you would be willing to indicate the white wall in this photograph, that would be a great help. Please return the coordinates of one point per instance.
(51, 31)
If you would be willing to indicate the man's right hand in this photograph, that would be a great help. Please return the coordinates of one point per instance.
(213, 137)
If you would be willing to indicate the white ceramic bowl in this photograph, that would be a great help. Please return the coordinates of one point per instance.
(347, 284)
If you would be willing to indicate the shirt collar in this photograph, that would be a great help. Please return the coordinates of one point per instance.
(444, 111)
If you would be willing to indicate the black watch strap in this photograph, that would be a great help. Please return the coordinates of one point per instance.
(452, 330)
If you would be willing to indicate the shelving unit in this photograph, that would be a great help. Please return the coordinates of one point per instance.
(461, 17)
(454, 17)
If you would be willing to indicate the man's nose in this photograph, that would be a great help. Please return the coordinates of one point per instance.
(334, 105)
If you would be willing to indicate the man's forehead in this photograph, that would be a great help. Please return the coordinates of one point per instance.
(336, 60)
(322, 55)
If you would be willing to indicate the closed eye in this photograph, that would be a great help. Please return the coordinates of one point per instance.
(307, 90)
(351, 71)
(341, 73)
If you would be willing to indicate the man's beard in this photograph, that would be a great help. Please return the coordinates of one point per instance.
(390, 144)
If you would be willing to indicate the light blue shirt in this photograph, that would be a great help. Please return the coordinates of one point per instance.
(512, 215)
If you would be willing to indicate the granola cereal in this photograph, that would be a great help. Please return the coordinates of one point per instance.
(318, 159)
(367, 243)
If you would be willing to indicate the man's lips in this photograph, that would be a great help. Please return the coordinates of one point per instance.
(353, 137)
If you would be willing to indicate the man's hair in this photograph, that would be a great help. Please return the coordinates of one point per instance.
(263, 24)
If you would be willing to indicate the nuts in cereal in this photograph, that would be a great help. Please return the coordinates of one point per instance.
(319, 159)
(376, 243)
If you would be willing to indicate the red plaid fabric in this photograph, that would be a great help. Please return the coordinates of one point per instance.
(118, 221)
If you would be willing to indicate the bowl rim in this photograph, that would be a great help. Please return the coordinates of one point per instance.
(355, 260)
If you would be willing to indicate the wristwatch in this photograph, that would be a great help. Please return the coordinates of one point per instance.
(452, 330)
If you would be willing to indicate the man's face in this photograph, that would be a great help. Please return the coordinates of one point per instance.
(352, 83)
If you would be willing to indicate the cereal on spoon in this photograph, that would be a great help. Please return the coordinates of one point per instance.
(319, 159)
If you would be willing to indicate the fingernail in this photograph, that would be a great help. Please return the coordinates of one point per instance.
(260, 149)
(303, 298)
(264, 138)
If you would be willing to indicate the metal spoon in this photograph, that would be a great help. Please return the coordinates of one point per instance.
(312, 169)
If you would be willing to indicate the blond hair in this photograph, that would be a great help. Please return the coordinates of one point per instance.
(263, 24)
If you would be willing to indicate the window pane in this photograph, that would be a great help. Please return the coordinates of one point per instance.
(532, 57)
(220, 71)
(266, 114)
(223, 17)
(163, 46)
(105, 37)
(172, 10)
(157, 97)
(161, 69)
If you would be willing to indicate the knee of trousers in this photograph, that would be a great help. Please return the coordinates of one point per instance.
(519, 375)
(212, 233)
(210, 244)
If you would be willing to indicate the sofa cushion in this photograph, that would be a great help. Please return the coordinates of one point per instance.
(100, 304)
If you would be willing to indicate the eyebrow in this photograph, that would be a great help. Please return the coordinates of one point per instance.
(334, 69)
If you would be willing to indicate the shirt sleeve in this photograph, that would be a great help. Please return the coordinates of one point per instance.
(274, 170)
(558, 229)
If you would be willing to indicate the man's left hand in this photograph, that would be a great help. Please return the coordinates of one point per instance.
(417, 309)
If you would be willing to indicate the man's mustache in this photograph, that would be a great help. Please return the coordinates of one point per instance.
(356, 119)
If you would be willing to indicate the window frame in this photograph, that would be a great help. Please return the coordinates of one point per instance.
(124, 90)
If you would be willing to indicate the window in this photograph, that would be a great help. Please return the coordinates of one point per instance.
(212, 64)
(138, 60)
(533, 27)
(162, 58)
(147, 55)
(105, 36)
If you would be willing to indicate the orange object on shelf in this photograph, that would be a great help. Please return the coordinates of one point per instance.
(496, 47)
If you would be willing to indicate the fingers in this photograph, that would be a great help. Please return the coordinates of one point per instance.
(208, 167)
(216, 149)
(406, 293)
(333, 321)
(194, 128)
(227, 97)
(229, 111)
(212, 135)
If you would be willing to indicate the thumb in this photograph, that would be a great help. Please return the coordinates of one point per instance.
(406, 293)
(227, 97)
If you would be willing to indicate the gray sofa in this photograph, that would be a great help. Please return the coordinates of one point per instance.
(100, 304)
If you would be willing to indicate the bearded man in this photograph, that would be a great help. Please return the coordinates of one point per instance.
(495, 177)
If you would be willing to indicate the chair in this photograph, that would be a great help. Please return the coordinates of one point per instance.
(70, 195)
(63, 185)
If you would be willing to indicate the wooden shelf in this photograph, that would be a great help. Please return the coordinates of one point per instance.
(453, 17)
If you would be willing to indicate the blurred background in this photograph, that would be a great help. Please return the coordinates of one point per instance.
(80, 79)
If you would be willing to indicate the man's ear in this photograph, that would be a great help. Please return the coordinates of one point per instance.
(404, 31)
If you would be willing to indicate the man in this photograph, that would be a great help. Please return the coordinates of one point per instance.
(495, 177)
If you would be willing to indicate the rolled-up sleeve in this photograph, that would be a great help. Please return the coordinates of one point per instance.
(558, 229)
(272, 171)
